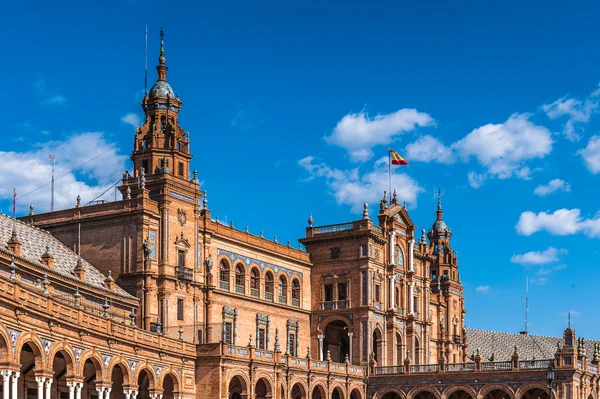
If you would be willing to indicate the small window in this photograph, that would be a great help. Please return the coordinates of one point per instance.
(445, 272)
(181, 258)
(282, 287)
(328, 290)
(179, 146)
(415, 304)
(179, 309)
(295, 292)
(363, 250)
(261, 338)
(227, 333)
(145, 165)
(567, 359)
(224, 274)
(377, 292)
(254, 279)
(434, 274)
(239, 278)
(180, 168)
(342, 291)
(269, 289)
(292, 344)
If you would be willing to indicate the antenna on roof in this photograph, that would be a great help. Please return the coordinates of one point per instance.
(52, 161)
(146, 63)
(79, 241)
(526, 331)
(569, 325)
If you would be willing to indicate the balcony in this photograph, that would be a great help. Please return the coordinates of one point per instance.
(330, 305)
(239, 289)
(224, 285)
(283, 299)
(184, 273)
(269, 296)
(295, 302)
(254, 292)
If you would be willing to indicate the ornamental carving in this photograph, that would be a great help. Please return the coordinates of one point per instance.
(181, 216)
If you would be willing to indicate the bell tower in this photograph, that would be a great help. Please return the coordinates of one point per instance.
(160, 144)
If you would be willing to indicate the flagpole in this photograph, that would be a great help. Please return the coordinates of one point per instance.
(390, 172)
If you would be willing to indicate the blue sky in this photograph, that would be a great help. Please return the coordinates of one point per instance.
(291, 107)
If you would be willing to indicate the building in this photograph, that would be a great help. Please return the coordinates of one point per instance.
(151, 297)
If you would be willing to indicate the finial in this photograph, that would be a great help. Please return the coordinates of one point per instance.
(328, 355)
(347, 359)
(78, 201)
(132, 316)
(366, 211)
(143, 180)
(310, 220)
(158, 326)
(30, 209)
(180, 331)
(231, 224)
(384, 197)
(128, 193)
(423, 237)
(105, 306)
(275, 239)
(262, 235)
(569, 324)
(247, 230)
(195, 178)
(289, 244)
(277, 346)
(45, 283)
(161, 58)
(205, 201)
(12, 268)
(439, 208)
(250, 340)
(395, 196)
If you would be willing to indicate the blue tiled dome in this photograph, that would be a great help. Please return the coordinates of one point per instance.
(440, 226)
(161, 89)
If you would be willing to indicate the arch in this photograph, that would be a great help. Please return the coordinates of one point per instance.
(336, 341)
(458, 392)
(95, 359)
(319, 392)
(269, 284)
(240, 277)
(237, 386)
(263, 388)
(169, 385)
(398, 256)
(338, 392)
(389, 393)
(224, 273)
(35, 343)
(491, 390)
(377, 347)
(174, 376)
(323, 323)
(423, 392)
(399, 348)
(123, 365)
(5, 345)
(145, 368)
(534, 390)
(254, 280)
(299, 390)
(417, 351)
(67, 352)
(61, 362)
(355, 394)
(282, 286)
(296, 291)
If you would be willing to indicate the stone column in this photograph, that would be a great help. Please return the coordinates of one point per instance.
(393, 291)
(107, 393)
(320, 347)
(411, 254)
(100, 392)
(15, 384)
(392, 246)
(6, 374)
(350, 334)
(40, 385)
(411, 297)
(78, 388)
(48, 388)
(71, 386)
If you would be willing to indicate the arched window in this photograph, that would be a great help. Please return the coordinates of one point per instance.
(397, 297)
(295, 292)
(239, 278)
(269, 286)
(224, 275)
(254, 282)
(398, 256)
(282, 289)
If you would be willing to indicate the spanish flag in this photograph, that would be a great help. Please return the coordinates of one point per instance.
(396, 159)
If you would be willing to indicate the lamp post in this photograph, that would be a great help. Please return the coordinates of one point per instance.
(550, 378)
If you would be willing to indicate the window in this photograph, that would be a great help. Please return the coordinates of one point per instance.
(397, 297)
(342, 291)
(377, 292)
(282, 290)
(179, 308)
(398, 256)
(181, 258)
(239, 278)
(292, 344)
(328, 291)
(295, 292)
(415, 304)
(179, 145)
(261, 338)
(364, 287)
(269, 288)
(254, 282)
(227, 336)
(363, 250)
(180, 168)
(433, 274)
(224, 274)
(145, 165)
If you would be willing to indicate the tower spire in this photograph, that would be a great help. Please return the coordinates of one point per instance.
(162, 67)
(439, 205)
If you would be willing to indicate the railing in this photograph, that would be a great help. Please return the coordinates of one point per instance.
(493, 366)
(264, 354)
(386, 370)
(592, 368)
(330, 305)
(460, 367)
(269, 296)
(377, 229)
(424, 368)
(332, 228)
(282, 299)
(535, 364)
(319, 365)
(400, 310)
(237, 350)
(254, 292)
(184, 273)
(239, 289)
(295, 302)
(224, 285)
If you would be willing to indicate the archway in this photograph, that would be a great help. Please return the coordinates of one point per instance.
(424, 395)
(417, 355)
(497, 394)
(399, 350)
(355, 394)
(62, 365)
(30, 357)
(460, 394)
(143, 382)
(90, 373)
(298, 392)
(337, 393)
(336, 341)
(118, 378)
(535, 393)
(390, 395)
(318, 392)
(168, 387)
(377, 346)
(262, 389)
(237, 388)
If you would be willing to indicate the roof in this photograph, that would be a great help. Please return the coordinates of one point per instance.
(502, 345)
(33, 245)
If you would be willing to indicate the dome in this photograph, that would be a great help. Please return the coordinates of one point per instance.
(161, 89)
(440, 226)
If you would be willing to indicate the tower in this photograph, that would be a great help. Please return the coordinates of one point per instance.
(160, 144)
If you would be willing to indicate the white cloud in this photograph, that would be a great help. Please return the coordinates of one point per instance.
(47, 96)
(350, 187)
(591, 154)
(544, 271)
(552, 186)
(31, 169)
(132, 119)
(483, 289)
(549, 255)
(538, 280)
(476, 179)
(576, 111)
(427, 148)
(358, 133)
(562, 222)
(504, 148)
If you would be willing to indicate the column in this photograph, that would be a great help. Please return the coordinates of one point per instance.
(411, 297)
(134, 394)
(107, 393)
(393, 291)
(78, 388)
(40, 385)
(320, 347)
(71, 386)
(392, 245)
(100, 392)
(5, 382)
(411, 254)
(15, 384)
(48, 388)
(350, 334)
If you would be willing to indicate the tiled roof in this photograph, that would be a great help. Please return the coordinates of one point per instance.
(502, 345)
(33, 246)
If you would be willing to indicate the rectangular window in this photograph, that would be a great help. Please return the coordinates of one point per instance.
(415, 304)
(328, 290)
(227, 336)
(377, 292)
(370, 250)
(363, 250)
(364, 340)
(145, 166)
(445, 272)
(180, 168)
(364, 287)
(342, 291)
(179, 309)
(292, 344)
(261, 338)
(181, 258)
